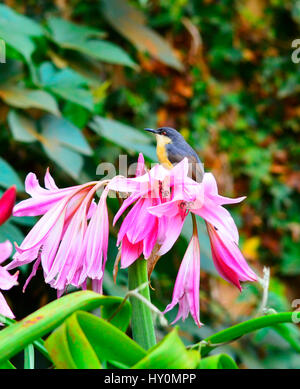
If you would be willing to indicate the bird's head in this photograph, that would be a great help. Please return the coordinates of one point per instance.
(167, 134)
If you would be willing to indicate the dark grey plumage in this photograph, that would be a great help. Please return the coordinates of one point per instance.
(178, 149)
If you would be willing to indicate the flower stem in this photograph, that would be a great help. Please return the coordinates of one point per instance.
(142, 321)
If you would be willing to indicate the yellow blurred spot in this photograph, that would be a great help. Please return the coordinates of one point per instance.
(248, 55)
(185, 132)
(250, 248)
(100, 92)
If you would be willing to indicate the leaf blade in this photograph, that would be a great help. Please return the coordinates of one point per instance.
(17, 336)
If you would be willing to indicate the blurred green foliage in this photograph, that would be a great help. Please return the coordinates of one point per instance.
(81, 81)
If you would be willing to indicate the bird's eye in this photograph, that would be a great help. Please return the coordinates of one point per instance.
(164, 133)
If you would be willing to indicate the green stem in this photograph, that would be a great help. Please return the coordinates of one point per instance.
(142, 321)
(235, 332)
(29, 357)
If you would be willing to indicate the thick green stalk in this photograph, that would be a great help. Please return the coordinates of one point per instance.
(142, 321)
(235, 332)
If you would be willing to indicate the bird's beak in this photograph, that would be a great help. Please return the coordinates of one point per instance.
(151, 130)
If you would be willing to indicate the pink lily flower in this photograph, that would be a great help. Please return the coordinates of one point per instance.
(136, 233)
(7, 280)
(141, 230)
(68, 248)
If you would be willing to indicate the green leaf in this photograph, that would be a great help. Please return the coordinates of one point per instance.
(19, 23)
(9, 231)
(63, 143)
(129, 22)
(169, 353)
(58, 347)
(23, 29)
(21, 97)
(66, 33)
(82, 38)
(123, 135)
(8, 176)
(220, 361)
(70, 161)
(67, 84)
(22, 127)
(105, 52)
(21, 43)
(61, 140)
(64, 132)
(17, 336)
(6, 365)
(28, 221)
(84, 341)
(38, 343)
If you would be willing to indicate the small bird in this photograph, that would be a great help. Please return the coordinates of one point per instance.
(171, 148)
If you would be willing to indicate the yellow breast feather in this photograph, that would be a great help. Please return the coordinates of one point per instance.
(161, 150)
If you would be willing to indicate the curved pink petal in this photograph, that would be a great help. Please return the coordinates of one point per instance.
(7, 202)
(95, 242)
(97, 286)
(140, 169)
(32, 274)
(150, 239)
(67, 259)
(7, 280)
(5, 250)
(173, 227)
(219, 217)
(180, 170)
(142, 221)
(42, 228)
(211, 191)
(4, 308)
(123, 184)
(130, 252)
(169, 208)
(186, 289)
(43, 200)
(126, 203)
(49, 181)
(228, 259)
(129, 220)
(52, 242)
